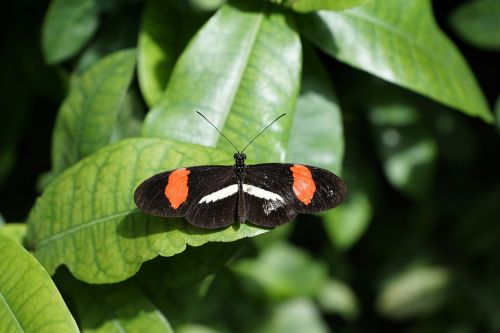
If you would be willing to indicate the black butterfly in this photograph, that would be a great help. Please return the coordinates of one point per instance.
(214, 196)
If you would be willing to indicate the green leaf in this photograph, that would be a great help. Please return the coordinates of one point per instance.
(405, 145)
(282, 271)
(347, 223)
(337, 297)
(163, 34)
(195, 328)
(186, 268)
(68, 25)
(29, 300)
(411, 52)
(478, 23)
(87, 219)
(87, 116)
(316, 136)
(234, 71)
(313, 5)
(129, 119)
(15, 231)
(117, 32)
(121, 307)
(294, 316)
(413, 292)
(2, 220)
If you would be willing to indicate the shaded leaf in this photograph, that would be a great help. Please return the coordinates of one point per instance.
(478, 23)
(316, 136)
(497, 112)
(30, 302)
(121, 307)
(347, 223)
(294, 316)
(413, 292)
(68, 25)
(118, 32)
(15, 231)
(163, 35)
(314, 5)
(87, 219)
(2, 220)
(87, 116)
(337, 297)
(234, 72)
(405, 145)
(282, 270)
(129, 119)
(411, 52)
(186, 268)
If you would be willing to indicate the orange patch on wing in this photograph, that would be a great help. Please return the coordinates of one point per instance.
(177, 190)
(303, 183)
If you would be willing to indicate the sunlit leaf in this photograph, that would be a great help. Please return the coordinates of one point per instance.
(413, 292)
(313, 5)
(87, 219)
(120, 307)
(88, 115)
(411, 52)
(68, 25)
(242, 69)
(30, 302)
(478, 23)
(15, 231)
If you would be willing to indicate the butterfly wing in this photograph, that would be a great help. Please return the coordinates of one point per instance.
(204, 194)
(276, 192)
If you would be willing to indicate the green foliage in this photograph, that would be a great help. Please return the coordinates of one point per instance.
(123, 80)
(23, 281)
(478, 23)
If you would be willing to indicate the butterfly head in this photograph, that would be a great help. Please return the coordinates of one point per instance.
(239, 158)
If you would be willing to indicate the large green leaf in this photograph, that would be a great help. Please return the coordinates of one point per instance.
(87, 218)
(337, 297)
(163, 34)
(478, 22)
(316, 136)
(313, 5)
(119, 308)
(68, 25)
(400, 42)
(87, 116)
(29, 300)
(241, 70)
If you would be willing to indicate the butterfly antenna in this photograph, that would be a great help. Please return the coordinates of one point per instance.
(217, 130)
(262, 131)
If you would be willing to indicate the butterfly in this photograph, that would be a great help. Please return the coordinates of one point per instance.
(215, 196)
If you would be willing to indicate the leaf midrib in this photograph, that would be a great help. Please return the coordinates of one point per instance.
(242, 69)
(84, 225)
(401, 33)
(4, 301)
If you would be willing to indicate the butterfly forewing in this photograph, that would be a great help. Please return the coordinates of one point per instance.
(179, 192)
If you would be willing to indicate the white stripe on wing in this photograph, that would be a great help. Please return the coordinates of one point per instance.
(220, 194)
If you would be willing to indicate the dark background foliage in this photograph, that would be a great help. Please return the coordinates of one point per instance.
(447, 231)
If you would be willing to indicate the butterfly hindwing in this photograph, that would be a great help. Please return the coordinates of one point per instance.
(277, 192)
